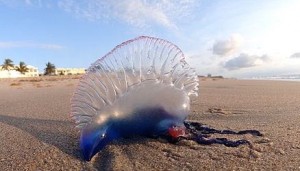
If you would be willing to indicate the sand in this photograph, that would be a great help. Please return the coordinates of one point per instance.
(37, 134)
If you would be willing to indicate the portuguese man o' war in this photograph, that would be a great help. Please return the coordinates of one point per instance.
(142, 87)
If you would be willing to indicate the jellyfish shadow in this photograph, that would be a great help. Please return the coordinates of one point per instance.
(106, 158)
(53, 132)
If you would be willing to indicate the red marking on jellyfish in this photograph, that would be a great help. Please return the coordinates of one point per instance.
(176, 132)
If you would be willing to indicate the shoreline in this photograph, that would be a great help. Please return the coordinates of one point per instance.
(266, 79)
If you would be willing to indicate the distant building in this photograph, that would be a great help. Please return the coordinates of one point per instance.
(69, 71)
(12, 73)
(32, 72)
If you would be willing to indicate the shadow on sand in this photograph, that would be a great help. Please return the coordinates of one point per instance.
(60, 134)
(107, 159)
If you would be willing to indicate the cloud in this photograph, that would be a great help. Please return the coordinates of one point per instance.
(295, 55)
(20, 44)
(225, 47)
(138, 13)
(28, 2)
(168, 14)
(245, 61)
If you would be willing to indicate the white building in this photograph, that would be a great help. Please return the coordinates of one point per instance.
(69, 71)
(32, 72)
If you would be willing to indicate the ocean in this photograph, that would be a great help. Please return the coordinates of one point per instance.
(293, 77)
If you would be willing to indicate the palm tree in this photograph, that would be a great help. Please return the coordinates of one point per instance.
(50, 69)
(8, 64)
(22, 68)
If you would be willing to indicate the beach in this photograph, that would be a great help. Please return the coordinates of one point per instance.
(37, 134)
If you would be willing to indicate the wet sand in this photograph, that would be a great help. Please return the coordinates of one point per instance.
(37, 134)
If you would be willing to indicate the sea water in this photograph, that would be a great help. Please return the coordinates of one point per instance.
(293, 77)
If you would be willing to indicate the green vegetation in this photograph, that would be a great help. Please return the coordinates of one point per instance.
(50, 69)
(22, 68)
(8, 64)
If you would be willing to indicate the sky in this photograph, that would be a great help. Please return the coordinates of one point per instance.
(241, 39)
